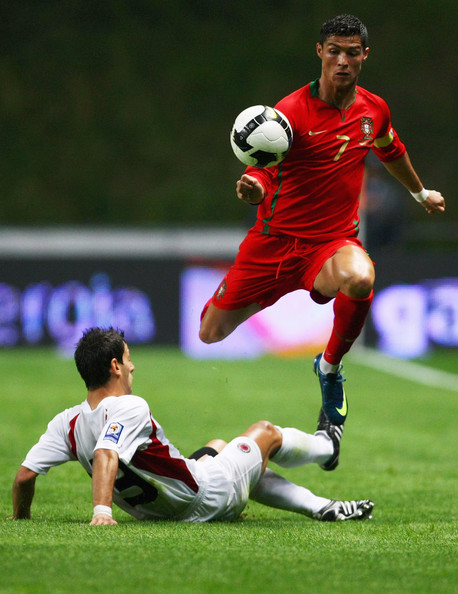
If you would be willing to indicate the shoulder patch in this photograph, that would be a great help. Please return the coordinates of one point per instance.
(113, 433)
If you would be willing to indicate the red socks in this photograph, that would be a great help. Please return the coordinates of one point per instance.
(349, 317)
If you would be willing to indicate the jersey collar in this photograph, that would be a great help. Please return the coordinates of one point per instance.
(314, 86)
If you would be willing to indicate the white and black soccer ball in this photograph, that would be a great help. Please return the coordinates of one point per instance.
(261, 136)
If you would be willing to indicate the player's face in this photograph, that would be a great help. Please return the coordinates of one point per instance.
(127, 370)
(341, 60)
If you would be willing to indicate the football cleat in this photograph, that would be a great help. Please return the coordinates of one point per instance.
(338, 511)
(335, 433)
(332, 393)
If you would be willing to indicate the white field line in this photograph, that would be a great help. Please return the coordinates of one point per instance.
(414, 372)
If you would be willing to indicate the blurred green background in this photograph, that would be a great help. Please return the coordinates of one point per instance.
(119, 111)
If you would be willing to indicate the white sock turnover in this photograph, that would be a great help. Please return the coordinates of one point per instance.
(299, 448)
(326, 367)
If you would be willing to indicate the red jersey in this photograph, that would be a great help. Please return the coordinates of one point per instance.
(314, 192)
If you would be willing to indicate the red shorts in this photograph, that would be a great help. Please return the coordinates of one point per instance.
(270, 266)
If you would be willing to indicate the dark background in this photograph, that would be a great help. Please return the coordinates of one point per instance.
(159, 280)
(74, 297)
(119, 112)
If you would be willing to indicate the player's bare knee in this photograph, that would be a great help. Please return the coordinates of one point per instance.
(360, 286)
(209, 335)
(204, 335)
(268, 429)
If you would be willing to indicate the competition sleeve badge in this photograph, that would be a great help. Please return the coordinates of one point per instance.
(113, 432)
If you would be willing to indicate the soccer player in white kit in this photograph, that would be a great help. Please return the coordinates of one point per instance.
(114, 436)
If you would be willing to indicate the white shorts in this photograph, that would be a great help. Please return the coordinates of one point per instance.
(227, 480)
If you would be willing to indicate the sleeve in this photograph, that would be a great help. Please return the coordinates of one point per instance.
(52, 449)
(128, 428)
(387, 145)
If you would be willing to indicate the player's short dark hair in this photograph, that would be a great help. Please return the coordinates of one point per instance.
(344, 25)
(94, 353)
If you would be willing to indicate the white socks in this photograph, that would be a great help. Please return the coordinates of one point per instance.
(326, 367)
(299, 448)
(275, 491)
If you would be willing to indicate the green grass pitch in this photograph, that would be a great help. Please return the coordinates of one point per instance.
(399, 448)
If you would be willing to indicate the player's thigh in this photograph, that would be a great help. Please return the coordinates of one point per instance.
(242, 461)
(218, 323)
(231, 476)
(349, 270)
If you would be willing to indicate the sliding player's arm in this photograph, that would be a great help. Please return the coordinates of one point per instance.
(23, 492)
(104, 470)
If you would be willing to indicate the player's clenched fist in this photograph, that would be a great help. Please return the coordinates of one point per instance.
(434, 203)
(249, 189)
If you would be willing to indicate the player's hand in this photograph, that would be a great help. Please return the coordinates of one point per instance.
(434, 203)
(24, 515)
(103, 520)
(249, 189)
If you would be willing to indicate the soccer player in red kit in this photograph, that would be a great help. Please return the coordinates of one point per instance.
(306, 233)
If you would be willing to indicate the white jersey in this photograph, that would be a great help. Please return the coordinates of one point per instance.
(154, 480)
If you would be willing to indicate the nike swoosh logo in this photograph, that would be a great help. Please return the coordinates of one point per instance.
(315, 133)
(343, 410)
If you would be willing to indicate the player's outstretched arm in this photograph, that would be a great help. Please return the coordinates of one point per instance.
(404, 172)
(23, 492)
(434, 202)
(249, 189)
(104, 470)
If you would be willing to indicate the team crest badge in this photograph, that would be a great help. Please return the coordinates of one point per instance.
(367, 128)
(244, 447)
(221, 290)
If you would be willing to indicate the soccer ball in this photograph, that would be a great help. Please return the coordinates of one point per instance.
(261, 136)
